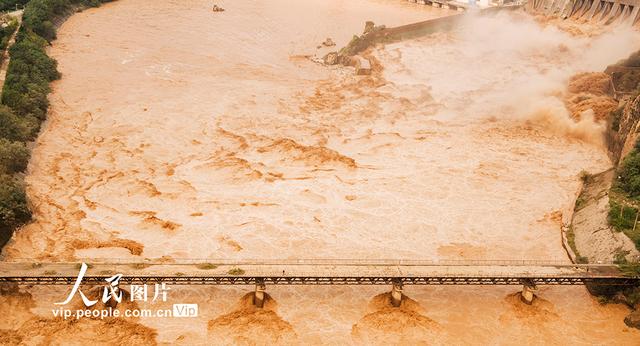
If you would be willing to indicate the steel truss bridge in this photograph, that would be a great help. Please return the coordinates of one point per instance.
(318, 272)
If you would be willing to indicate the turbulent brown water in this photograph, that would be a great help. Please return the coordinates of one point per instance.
(178, 132)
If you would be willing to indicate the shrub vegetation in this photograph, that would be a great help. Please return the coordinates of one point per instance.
(7, 31)
(10, 5)
(632, 61)
(624, 197)
(629, 174)
(236, 271)
(24, 98)
(628, 80)
(13, 205)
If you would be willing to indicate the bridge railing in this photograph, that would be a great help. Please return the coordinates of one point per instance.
(321, 274)
(322, 261)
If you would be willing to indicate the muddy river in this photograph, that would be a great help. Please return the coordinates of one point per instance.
(178, 132)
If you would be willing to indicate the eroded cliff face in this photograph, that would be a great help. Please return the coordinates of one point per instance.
(591, 235)
(621, 142)
(603, 96)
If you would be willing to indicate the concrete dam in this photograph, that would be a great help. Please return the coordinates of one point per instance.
(600, 11)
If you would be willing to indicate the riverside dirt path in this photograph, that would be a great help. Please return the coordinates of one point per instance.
(5, 55)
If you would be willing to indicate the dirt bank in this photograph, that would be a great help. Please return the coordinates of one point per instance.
(592, 235)
(594, 239)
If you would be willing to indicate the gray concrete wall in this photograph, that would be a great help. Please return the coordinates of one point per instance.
(409, 31)
(600, 11)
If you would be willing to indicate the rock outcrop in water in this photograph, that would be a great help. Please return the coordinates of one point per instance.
(362, 42)
(331, 58)
(633, 320)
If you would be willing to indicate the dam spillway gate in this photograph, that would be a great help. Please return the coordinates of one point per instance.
(606, 12)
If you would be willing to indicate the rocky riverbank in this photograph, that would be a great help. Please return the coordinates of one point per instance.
(595, 236)
(590, 236)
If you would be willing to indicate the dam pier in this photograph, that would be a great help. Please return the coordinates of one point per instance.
(597, 11)
(452, 5)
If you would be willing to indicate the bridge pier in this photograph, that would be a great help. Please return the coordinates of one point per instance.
(258, 296)
(528, 292)
(396, 294)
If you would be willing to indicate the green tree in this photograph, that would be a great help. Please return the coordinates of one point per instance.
(11, 4)
(14, 156)
(16, 128)
(630, 172)
(14, 211)
(24, 99)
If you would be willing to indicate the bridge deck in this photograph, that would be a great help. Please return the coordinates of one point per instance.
(318, 272)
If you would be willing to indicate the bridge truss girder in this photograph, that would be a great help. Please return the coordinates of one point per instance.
(323, 280)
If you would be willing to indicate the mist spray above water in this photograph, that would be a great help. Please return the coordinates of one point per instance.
(509, 67)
